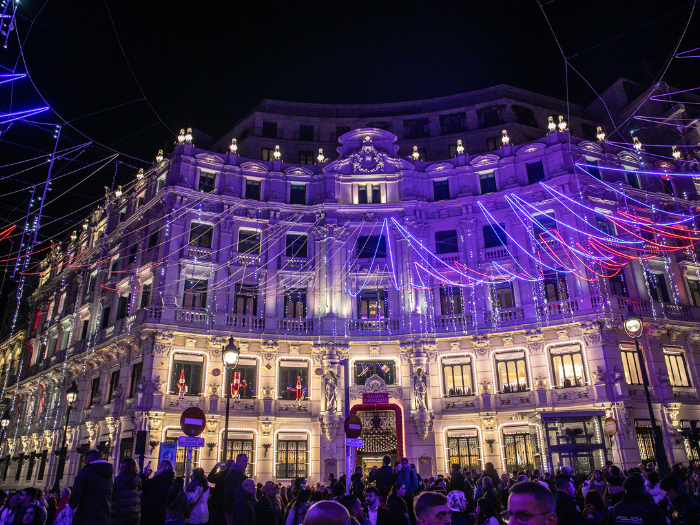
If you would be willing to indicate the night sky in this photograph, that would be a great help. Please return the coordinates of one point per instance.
(205, 65)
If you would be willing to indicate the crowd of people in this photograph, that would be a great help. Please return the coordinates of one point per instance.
(388, 495)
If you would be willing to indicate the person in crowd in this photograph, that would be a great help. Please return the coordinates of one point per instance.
(458, 506)
(354, 507)
(684, 510)
(357, 484)
(91, 496)
(298, 508)
(490, 471)
(376, 514)
(155, 492)
(283, 497)
(594, 482)
(418, 477)
(566, 508)
(338, 491)
(456, 478)
(396, 505)
(594, 509)
(489, 492)
(10, 507)
(126, 495)
(63, 500)
(198, 494)
(244, 504)
(33, 514)
(327, 513)
(653, 489)
(486, 513)
(614, 491)
(635, 507)
(432, 509)
(216, 493)
(234, 478)
(531, 503)
(267, 509)
(50, 502)
(383, 477)
(178, 506)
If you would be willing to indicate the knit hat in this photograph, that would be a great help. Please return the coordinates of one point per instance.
(633, 482)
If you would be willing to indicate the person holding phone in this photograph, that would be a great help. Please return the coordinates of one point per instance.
(126, 499)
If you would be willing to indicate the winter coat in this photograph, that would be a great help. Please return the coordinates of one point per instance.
(154, 498)
(178, 507)
(408, 479)
(126, 500)
(635, 508)
(198, 496)
(234, 478)
(243, 508)
(65, 517)
(7, 516)
(92, 494)
(216, 495)
(457, 480)
(384, 478)
(268, 512)
(61, 505)
(656, 493)
(568, 511)
(397, 510)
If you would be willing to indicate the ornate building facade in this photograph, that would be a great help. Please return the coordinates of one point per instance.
(477, 300)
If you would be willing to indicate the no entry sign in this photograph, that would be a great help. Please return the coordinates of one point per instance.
(193, 421)
(353, 426)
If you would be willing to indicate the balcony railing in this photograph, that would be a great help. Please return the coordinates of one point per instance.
(192, 317)
(195, 252)
(247, 260)
(373, 325)
(294, 263)
(499, 252)
(245, 322)
(558, 308)
(450, 259)
(505, 316)
(447, 323)
(296, 325)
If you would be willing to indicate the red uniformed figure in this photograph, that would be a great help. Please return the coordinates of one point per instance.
(236, 386)
(299, 391)
(182, 385)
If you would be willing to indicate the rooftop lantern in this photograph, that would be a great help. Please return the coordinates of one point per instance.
(676, 152)
(233, 147)
(181, 137)
(73, 236)
(460, 147)
(118, 193)
(277, 154)
(140, 174)
(551, 125)
(562, 123)
(600, 134)
(159, 157)
(188, 136)
(636, 144)
(505, 138)
(415, 155)
(321, 157)
(85, 225)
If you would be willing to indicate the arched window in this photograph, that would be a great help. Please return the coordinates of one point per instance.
(567, 366)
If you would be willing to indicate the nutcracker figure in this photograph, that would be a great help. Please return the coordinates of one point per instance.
(299, 391)
(182, 385)
(236, 386)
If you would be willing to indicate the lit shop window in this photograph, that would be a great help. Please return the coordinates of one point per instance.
(291, 456)
(293, 376)
(189, 367)
(245, 373)
(386, 369)
(676, 367)
(630, 364)
(463, 448)
(458, 376)
(511, 372)
(567, 366)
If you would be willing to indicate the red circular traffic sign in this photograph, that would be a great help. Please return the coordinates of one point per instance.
(353, 426)
(192, 421)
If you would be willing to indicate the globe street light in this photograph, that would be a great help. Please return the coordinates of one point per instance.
(633, 325)
(230, 355)
(71, 396)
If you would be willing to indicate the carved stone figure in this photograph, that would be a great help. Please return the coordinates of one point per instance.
(420, 388)
(330, 382)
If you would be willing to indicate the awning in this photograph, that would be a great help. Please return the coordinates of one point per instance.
(573, 414)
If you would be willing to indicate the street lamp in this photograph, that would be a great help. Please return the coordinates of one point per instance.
(231, 354)
(634, 327)
(71, 396)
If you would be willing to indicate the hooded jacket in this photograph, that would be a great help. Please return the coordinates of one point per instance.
(126, 500)
(154, 498)
(92, 494)
(198, 494)
(244, 508)
(636, 508)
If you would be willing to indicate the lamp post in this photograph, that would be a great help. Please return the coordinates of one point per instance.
(71, 396)
(634, 327)
(230, 355)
